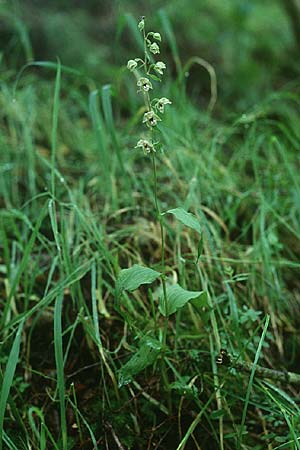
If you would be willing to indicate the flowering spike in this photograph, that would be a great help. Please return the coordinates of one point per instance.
(154, 107)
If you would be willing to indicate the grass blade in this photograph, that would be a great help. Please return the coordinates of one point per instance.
(109, 120)
(60, 367)
(99, 130)
(9, 442)
(69, 280)
(54, 125)
(93, 439)
(23, 264)
(168, 31)
(131, 21)
(251, 379)
(99, 127)
(40, 435)
(8, 377)
(48, 65)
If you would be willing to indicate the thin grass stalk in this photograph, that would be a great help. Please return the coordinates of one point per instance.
(59, 360)
(250, 384)
(9, 376)
(54, 126)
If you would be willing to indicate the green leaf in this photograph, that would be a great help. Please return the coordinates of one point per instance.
(184, 387)
(133, 278)
(199, 249)
(145, 356)
(154, 77)
(186, 218)
(177, 297)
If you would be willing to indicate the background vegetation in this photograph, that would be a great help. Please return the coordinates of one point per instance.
(77, 207)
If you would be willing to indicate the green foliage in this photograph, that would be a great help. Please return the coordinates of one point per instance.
(145, 356)
(186, 218)
(177, 297)
(131, 279)
(8, 376)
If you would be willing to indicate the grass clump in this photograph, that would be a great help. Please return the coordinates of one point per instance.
(123, 277)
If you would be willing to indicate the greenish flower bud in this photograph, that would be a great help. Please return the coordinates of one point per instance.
(144, 84)
(160, 105)
(154, 48)
(141, 25)
(157, 36)
(146, 146)
(159, 67)
(131, 65)
(151, 119)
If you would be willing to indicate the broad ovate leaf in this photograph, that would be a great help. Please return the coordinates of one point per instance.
(188, 219)
(145, 356)
(177, 297)
(131, 279)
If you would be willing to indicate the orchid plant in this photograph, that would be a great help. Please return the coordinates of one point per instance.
(172, 297)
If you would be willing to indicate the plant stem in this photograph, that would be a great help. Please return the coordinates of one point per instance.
(163, 278)
(145, 50)
(163, 267)
(262, 372)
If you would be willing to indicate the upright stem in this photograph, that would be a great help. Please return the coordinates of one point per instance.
(149, 108)
(163, 277)
(159, 217)
(162, 234)
(145, 50)
(155, 185)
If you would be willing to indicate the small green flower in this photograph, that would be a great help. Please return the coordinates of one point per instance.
(141, 24)
(159, 67)
(151, 119)
(160, 105)
(154, 48)
(157, 36)
(144, 84)
(146, 146)
(131, 65)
